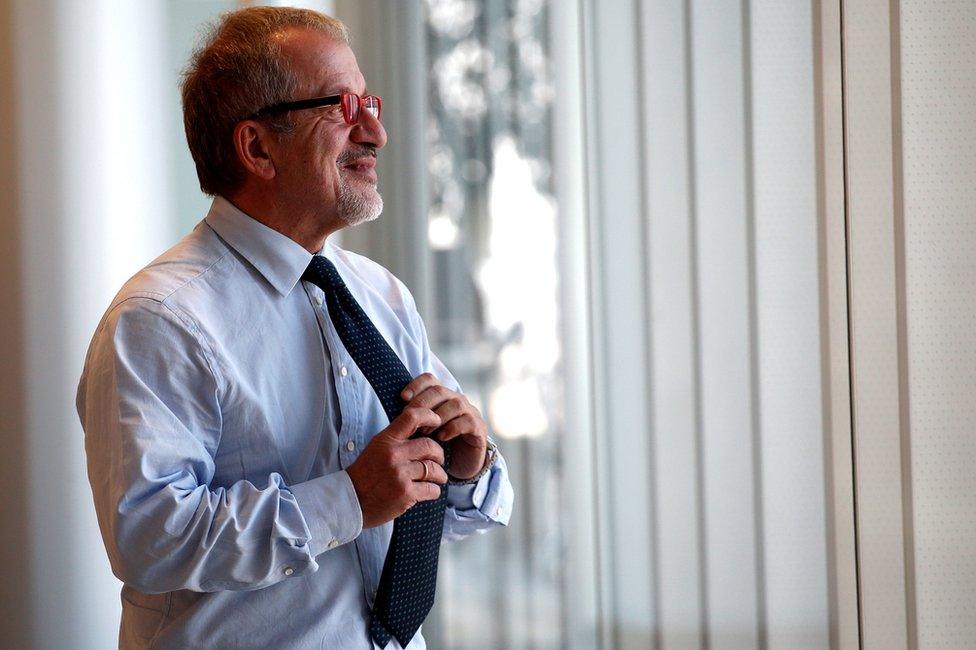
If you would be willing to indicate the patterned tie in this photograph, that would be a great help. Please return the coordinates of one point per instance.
(406, 591)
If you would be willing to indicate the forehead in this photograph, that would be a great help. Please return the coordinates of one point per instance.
(321, 63)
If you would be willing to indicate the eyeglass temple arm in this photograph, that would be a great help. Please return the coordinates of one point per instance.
(284, 107)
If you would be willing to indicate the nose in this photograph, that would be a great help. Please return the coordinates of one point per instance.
(369, 130)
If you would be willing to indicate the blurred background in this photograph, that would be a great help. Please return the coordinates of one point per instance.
(706, 267)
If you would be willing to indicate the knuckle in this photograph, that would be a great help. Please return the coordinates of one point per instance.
(414, 415)
(400, 473)
(403, 482)
(415, 411)
(430, 447)
(409, 499)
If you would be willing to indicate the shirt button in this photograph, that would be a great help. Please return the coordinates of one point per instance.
(343, 371)
(350, 445)
(333, 542)
(289, 571)
(318, 300)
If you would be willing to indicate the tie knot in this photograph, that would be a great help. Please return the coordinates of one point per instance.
(322, 273)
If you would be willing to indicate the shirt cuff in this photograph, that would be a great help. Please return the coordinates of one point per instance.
(331, 510)
(461, 497)
(475, 508)
(469, 494)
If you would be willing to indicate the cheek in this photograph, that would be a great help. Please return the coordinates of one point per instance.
(327, 161)
(320, 166)
(325, 145)
(331, 147)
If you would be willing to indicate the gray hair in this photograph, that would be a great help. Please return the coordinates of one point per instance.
(238, 69)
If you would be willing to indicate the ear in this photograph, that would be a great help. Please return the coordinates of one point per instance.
(251, 140)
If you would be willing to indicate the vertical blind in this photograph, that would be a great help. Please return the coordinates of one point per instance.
(625, 215)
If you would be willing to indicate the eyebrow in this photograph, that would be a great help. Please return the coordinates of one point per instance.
(342, 89)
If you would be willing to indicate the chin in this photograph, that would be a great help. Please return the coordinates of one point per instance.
(360, 205)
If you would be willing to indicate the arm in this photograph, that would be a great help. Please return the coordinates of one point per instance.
(472, 508)
(149, 405)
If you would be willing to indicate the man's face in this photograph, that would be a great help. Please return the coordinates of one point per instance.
(326, 165)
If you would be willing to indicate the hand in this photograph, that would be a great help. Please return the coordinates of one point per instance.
(462, 428)
(389, 474)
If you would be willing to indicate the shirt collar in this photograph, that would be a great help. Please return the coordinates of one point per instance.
(278, 258)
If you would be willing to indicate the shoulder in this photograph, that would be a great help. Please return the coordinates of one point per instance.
(166, 303)
(151, 323)
(199, 256)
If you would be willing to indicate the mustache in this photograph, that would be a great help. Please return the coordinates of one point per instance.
(355, 154)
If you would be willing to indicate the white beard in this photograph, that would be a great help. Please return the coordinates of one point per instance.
(358, 202)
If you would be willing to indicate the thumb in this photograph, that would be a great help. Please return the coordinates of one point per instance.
(412, 418)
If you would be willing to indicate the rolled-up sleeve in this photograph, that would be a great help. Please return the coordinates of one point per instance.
(149, 402)
(477, 507)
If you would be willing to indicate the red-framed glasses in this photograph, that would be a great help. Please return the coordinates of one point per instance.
(351, 104)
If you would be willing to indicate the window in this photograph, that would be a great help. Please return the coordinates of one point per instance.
(493, 230)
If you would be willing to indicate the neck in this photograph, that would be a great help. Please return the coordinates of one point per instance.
(301, 224)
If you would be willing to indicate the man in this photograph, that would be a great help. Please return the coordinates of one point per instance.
(242, 396)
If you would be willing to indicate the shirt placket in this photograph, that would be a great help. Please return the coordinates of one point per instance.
(351, 436)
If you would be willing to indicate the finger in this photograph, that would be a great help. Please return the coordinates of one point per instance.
(464, 425)
(433, 473)
(425, 449)
(436, 474)
(432, 396)
(452, 408)
(422, 467)
(417, 384)
(425, 491)
(411, 419)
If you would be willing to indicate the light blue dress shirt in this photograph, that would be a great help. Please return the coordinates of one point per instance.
(220, 411)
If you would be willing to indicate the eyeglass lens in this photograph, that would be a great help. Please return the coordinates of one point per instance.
(351, 104)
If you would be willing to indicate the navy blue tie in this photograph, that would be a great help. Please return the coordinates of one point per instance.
(406, 590)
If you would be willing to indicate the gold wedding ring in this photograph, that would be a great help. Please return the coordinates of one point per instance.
(426, 471)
